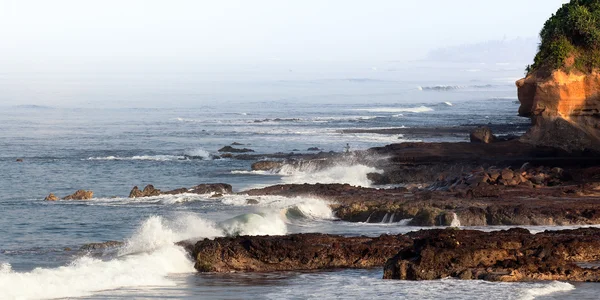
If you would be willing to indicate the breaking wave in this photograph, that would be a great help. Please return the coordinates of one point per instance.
(147, 259)
(313, 173)
(445, 88)
(418, 109)
(185, 155)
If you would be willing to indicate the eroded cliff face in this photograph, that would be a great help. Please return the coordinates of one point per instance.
(564, 108)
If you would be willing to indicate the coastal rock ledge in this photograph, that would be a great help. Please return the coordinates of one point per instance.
(564, 108)
(511, 255)
(311, 251)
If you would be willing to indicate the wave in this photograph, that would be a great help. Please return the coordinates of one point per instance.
(314, 173)
(254, 224)
(418, 109)
(444, 88)
(546, 289)
(186, 155)
(147, 259)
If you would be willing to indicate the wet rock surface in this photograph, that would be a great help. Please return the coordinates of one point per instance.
(293, 252)
(511, 255)
(230, 149)
(575, 204)
(208, 188)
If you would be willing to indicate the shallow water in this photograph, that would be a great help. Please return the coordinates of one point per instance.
(109, 150)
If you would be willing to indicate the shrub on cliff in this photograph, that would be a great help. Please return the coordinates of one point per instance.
(570, 38)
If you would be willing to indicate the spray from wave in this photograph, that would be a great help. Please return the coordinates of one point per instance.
(351, 174)
(147, 259)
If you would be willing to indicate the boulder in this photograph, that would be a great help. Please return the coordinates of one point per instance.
(313, 149)
(148, 191)
(51, 197)
(482, 135)
(80, 195)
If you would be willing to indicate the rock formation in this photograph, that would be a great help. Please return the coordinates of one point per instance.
(511, 255)
(201, 189)
(80, 195)
(293, 252)
(482, 135)
(230, 149)
(51, 197)
(564, 108)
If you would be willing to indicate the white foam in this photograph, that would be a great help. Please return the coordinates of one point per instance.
(546, 289)
(350, 174)
(418, 109)
(254, 224)
(455, 221)
(147, 259)
(141, 157)
(199, 152)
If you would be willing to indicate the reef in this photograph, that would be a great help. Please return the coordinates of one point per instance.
(312, 251)
(510, 255)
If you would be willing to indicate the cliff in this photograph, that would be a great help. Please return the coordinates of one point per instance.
(561, 92)
(564, 108)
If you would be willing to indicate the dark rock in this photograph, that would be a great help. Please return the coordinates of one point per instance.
(236, 144)
(313, 149)
(211, 188)
(512, 255)
(19, 160)
(251, 201)
(230, 149)
(99, 246)
(482, 135)
(266, 165)
(378, 178)
(311, 251)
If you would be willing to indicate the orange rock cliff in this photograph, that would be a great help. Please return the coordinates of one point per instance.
(564, 108)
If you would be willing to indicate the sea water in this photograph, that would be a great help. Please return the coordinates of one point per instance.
(170, 137)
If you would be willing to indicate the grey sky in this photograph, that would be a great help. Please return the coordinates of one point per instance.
(39, 33)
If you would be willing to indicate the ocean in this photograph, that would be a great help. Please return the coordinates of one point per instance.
(108, 134)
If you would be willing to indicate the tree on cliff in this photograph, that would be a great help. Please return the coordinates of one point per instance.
(570, 39)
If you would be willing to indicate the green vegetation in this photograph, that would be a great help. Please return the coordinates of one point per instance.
(574, 31)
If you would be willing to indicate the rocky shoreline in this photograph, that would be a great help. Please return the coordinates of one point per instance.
(509, 255)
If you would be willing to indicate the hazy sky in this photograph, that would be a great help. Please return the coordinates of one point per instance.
(39, 34)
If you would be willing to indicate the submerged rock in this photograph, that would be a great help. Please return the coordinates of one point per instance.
(266, 165)
(206, 188)
(311, 251)
(511, 255)
(230, 149)
(80, 195)
(100, 246)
